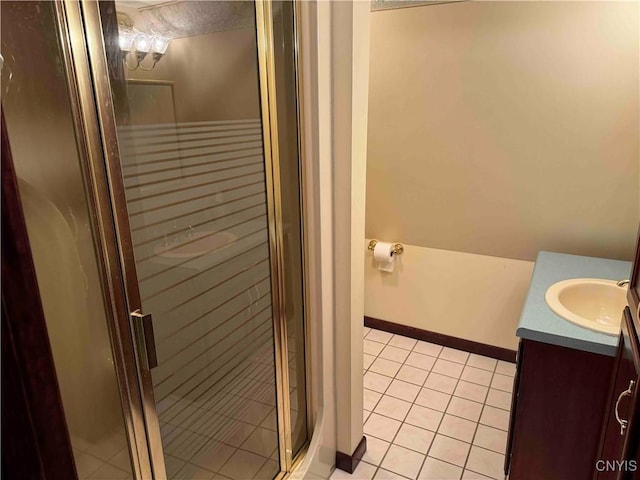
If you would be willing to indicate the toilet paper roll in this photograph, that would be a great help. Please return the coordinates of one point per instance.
(383, 255)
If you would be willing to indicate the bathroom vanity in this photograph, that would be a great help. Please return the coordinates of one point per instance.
(563, 384)
(618, 457)
(620, 439)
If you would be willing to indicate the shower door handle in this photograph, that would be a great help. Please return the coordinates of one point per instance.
(143, 326)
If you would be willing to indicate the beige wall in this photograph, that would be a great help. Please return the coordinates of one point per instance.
(350, 68)
(498, 129)
(505, 128)
(475, 297)
(215, 76)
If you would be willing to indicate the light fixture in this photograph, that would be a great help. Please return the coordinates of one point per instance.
(143, 42)
(126, 39)
(160, 44)
(138, 45)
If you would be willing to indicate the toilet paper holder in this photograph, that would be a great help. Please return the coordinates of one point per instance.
(398, 248)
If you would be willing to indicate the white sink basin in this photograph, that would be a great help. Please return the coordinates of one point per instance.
(589, 302)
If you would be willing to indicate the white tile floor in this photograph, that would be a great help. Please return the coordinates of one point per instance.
(432, 412)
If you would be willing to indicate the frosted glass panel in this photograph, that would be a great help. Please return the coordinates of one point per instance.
(48, 166)
(190, 140)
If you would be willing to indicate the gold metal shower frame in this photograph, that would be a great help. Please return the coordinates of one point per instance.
(82, 39)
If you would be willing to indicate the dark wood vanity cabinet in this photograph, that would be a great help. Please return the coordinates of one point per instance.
(559, 398)
(620, 440)
(575, 415)
(619, 444)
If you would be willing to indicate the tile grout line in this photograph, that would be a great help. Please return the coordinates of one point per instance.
(379, 466)
(494, 373)
(488, 387)
(478, 422)
(483, 403)
(241, 447)
(391, 443)
(443, 414)
(445, 375)
(421, 386)
(426, 454)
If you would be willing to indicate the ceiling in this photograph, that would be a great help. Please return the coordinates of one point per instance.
(177, 19)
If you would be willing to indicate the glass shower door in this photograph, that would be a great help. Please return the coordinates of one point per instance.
(199, 237)
(50, 162)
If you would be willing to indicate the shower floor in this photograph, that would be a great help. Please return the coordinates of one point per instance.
(230, 434)
(107, 458)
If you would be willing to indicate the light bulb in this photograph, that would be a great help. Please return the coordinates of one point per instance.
(159, 44)
(125, 39)
(143, 42)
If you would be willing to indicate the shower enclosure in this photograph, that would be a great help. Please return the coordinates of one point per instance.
(163, 206)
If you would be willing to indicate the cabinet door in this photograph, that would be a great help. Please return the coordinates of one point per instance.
(621, 430)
